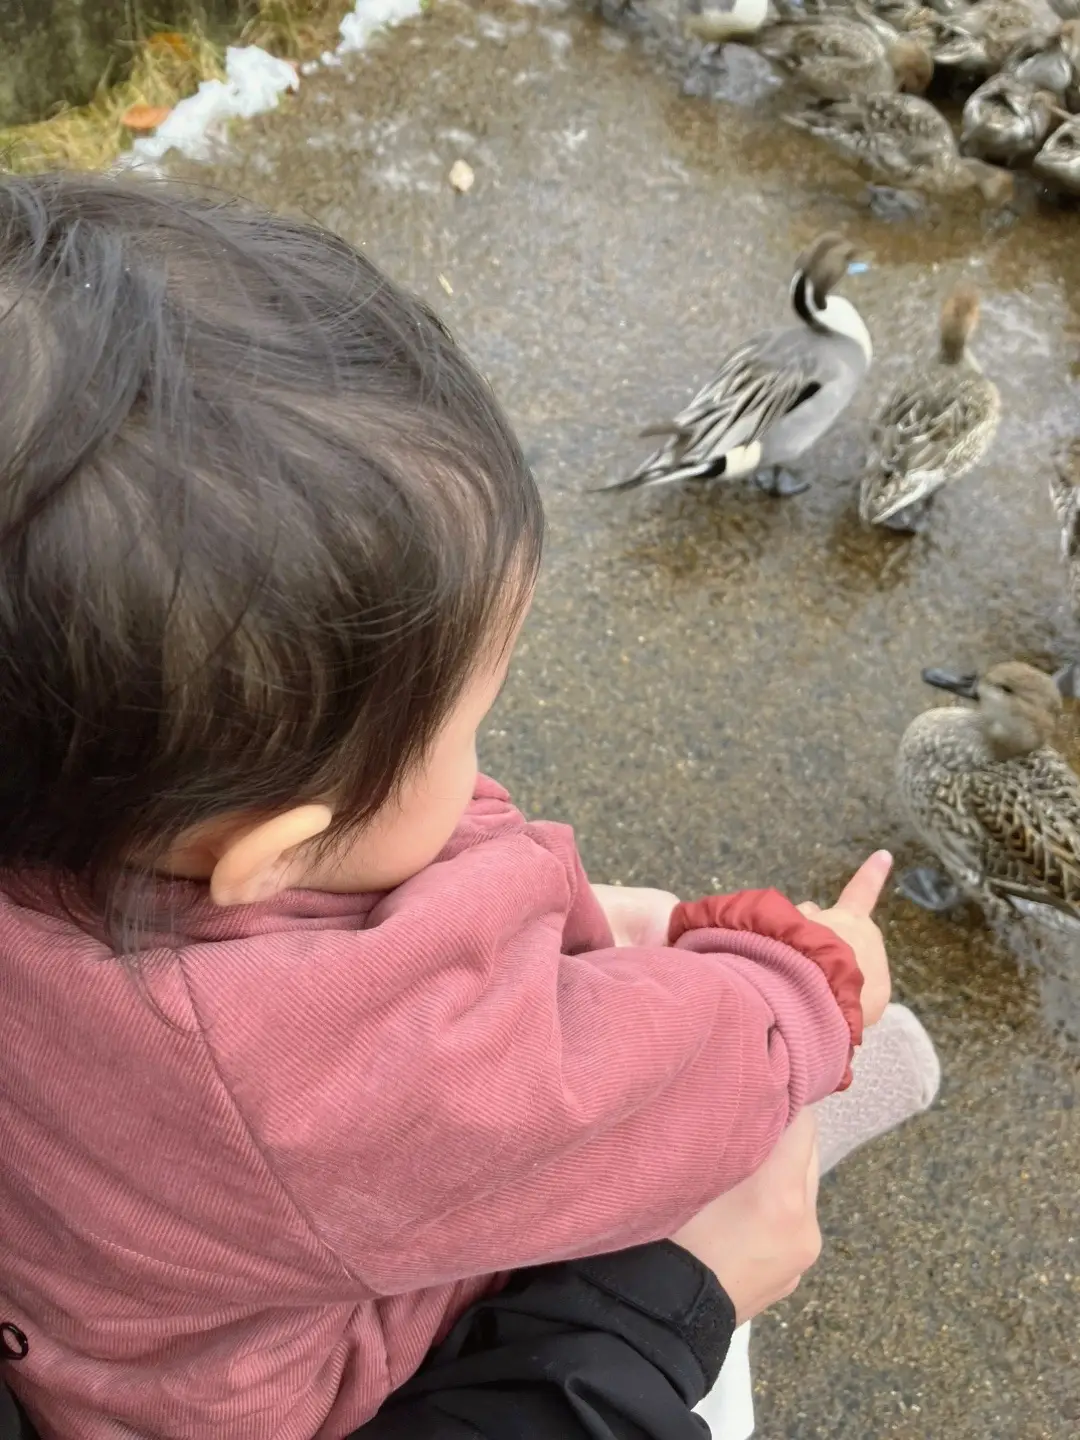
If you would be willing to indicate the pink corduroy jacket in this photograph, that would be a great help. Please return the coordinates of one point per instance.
(242, 1192)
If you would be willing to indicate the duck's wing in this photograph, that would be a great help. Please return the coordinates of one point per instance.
(918, 437)
(1028, 810)
(764, 380)
(893, 135)
(1065, 498)
(835, 40)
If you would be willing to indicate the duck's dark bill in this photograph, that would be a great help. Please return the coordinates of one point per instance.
(965, 685)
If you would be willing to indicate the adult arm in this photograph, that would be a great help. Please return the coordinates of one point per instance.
(617, 1347)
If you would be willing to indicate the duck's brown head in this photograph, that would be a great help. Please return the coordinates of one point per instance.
(912, 65)
(959, 320)
(825, 263)
(1018, 705)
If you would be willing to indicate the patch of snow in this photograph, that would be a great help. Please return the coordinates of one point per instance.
(371, 15)
(254, 82)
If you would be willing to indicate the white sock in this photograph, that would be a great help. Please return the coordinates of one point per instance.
(896, 1074)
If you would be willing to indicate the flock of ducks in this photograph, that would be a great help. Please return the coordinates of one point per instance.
(984, 787)
(778, 393)
(863, 68)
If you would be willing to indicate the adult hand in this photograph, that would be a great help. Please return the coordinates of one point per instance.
(759, 1238)
(850, 919)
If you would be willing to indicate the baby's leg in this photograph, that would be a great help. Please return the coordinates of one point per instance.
(895, 1076)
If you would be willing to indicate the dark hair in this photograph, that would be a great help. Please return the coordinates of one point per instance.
(259, 517)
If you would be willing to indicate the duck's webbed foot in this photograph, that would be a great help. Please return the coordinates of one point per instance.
(891, 204)
(913, 520)
(1068, 680)
(780, 482)
(929, 889)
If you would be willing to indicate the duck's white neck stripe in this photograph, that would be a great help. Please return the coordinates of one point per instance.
(837, 314)
(840, 316)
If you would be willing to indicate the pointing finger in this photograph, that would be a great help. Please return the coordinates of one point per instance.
(863, 890)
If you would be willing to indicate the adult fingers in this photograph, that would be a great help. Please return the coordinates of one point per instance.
(863, 890)
(796, 1150)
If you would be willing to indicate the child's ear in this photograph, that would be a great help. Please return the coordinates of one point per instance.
(262, 861)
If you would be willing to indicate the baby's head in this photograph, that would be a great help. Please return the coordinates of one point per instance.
(265, 542)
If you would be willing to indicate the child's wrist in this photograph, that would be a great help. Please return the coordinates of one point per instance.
(772, 915)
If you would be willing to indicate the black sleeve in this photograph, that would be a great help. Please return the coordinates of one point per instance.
(617, 1347)
(12, 1422)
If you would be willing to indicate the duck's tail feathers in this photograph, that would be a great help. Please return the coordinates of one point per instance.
(667, 471)
(667, 429)
(647, 475)
(813, 117)
(667, 467)
(884, 495)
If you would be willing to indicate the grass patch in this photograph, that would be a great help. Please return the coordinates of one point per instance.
(166, 66)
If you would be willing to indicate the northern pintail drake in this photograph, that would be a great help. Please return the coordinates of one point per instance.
(934, 427)
(1058, 162)
(1006, 121)
(901, 140)
(775, 395)
(992, 798)
(838, 56)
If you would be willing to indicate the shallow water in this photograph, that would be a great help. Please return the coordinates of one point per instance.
(713, 683)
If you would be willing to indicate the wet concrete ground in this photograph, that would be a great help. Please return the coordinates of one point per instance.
(712, 684)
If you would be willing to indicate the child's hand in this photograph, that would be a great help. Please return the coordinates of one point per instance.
(637, 916)
(850, 919)
(759, 1238)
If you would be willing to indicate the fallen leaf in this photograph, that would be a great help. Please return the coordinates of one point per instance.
(145, 117)
(461, 176)
(170, 40)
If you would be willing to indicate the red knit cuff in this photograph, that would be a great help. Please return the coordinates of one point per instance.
(768, 913)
